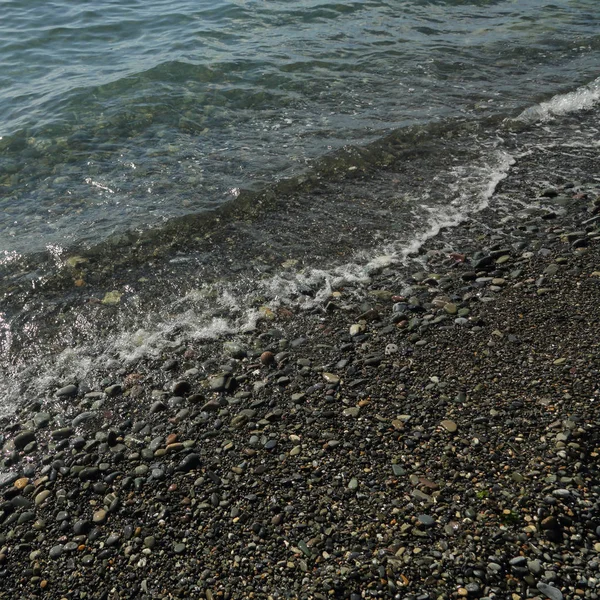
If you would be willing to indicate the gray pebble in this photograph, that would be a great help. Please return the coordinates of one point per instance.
(550, 591)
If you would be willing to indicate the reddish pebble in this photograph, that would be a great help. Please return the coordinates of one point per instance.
(172, 438)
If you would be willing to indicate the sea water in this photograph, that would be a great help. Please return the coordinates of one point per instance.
(222, 150)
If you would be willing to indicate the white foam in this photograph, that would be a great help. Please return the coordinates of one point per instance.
(230, 308)
(582, 98)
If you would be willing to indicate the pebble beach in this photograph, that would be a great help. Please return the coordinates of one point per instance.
(437, 439)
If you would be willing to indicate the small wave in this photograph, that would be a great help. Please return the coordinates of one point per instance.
(582, 98)
(229, 308)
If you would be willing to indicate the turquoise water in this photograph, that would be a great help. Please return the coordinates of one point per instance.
(117, 116)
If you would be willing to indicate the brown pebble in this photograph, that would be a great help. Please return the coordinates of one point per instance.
(171, 438)
(21, 483)
(99, 516)
(549, 523)
(174, 447)
(267, 358)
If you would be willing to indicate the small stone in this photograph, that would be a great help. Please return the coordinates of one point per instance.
(22, 439)
(239, 421)
(535, 567)
(56, 551)
(353, 411)
(99, 516)
(69, 391)
(62, 433)
(41, 420)
(234, 350)
(189, 463)
(426, 520)
(449, 426)
(179, 548)
(8, 479)
(21, 483)
(267, 358)
(158, 406)
(112, 391)
(450, 308)
(331, 378)
(356, 329)
(181, 388)
(549, 591)
(111, 298)
(353, 484)
(82, 418)
(81, 527)
(217, 383)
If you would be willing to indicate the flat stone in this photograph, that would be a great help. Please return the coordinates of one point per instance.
(549, 591)
(211, 406)
(69, 391)
(449, 426)
(331, 378)
(62, 433)
(83, 417)
(42, 496)
(26, 517)
(353, 411)
(426, 520)
(398, 470)
(535, 567)
(7, 479)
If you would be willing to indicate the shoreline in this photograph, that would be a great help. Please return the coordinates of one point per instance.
(437, 439)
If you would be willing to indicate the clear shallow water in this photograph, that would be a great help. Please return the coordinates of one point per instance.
(361, 129)
(116, 117)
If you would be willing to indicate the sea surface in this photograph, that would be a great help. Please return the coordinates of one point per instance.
(199, 159)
